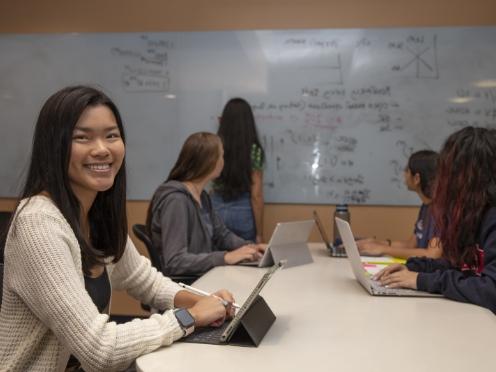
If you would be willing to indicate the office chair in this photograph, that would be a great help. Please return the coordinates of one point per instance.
(4, 220)
(1, 283)
(140, 231)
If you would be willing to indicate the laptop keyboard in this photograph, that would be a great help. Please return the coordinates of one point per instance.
(379, 289)
(206, 335)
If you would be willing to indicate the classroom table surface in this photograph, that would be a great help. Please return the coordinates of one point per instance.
(327, 322)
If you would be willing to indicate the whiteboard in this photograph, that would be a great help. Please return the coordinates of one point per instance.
(338, 110)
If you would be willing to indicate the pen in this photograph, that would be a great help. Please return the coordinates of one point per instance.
(203, 293)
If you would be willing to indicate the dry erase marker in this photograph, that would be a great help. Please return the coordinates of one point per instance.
(203, 293)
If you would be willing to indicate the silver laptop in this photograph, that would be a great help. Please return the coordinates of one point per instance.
(334, 250)
(288, 243)
(373, 287)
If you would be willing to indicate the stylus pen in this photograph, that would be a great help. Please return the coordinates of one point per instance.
(203, 293)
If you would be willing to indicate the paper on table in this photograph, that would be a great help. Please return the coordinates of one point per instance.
(373, 269)
(385, 260)
(373, 265)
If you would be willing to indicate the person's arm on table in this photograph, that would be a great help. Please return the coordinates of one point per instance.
(400, 249)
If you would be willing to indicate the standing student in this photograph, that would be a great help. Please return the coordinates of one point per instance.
(183, 226)
(419, 176)
(464, 208)
(68, 248)
(238, 192)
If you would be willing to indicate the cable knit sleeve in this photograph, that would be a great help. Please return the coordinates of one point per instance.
(135, 274)
(45, 257)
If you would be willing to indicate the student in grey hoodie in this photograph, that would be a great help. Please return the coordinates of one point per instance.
(189, 236)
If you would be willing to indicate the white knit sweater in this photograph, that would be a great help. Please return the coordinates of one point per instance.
(47, 314)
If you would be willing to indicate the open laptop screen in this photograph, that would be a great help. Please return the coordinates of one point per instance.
(321, 228)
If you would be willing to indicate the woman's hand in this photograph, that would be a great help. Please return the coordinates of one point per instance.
(261, 247)
(397, 276)
(249, 252)
(209, 310)
(370, 247)
(227, 296)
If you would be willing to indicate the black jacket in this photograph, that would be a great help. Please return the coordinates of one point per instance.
(438, 276)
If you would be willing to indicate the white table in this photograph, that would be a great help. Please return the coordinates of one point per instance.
(327, 322)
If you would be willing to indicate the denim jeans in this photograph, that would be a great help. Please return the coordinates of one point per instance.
(237, 215)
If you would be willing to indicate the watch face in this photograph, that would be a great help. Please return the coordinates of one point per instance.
(184, 318)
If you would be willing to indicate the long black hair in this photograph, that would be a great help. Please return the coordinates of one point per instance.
(424, 163)
(238, 132)
(48, 173)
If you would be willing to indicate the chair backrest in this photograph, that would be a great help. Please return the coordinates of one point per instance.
(1, 283)
(4, 220)
(140, 231)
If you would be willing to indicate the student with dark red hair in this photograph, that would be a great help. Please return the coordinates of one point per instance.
(464, 208)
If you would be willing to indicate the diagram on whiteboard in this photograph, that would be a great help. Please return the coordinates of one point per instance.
(420, 56)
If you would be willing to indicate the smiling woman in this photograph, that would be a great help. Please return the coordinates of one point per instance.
(68, 247)
(97, 153)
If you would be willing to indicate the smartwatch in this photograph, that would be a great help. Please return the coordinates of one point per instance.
(185, 320)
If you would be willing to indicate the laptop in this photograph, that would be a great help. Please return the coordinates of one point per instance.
(373, 287)
(288, 243)
(249, 325)
(334, 250)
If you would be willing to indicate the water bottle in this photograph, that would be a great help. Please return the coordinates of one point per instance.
(343, 213)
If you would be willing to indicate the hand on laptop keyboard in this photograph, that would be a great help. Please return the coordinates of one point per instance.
(397, 276)
(249, 252)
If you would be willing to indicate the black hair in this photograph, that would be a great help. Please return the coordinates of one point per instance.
(238, 132)
(48, 173)
(424, 163)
